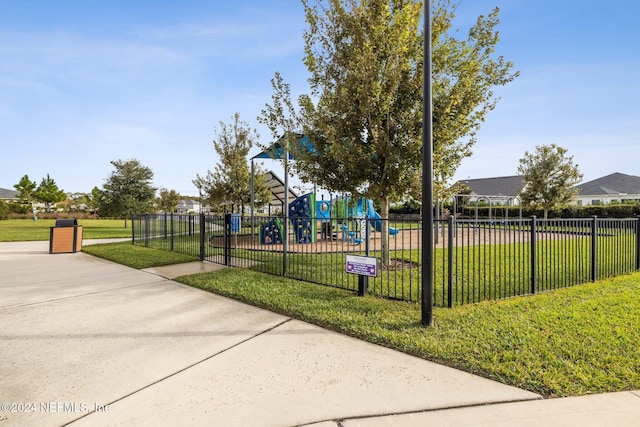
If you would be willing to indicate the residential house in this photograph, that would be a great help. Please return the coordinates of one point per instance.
(502, 190)
(8, 195)
(614, 188)
(188, 206)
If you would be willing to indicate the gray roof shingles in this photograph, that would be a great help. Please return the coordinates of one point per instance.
(8, 194)
(506, 186)
(616, 183)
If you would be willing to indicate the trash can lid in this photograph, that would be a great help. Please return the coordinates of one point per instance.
(68, 222)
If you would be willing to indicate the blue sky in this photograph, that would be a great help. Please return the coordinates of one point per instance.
(85, 82)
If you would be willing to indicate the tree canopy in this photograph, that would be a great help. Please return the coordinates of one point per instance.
(93, 200)
(230, 182)
(26, 189)
(127, 189)
(549, 176)
(168, 200)
(49, 193)
(364, 112)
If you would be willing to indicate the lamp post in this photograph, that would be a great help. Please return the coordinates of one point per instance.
(427, 175)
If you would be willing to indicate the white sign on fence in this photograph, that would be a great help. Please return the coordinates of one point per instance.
(362, 265)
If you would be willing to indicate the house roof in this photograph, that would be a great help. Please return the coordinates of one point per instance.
(8, 194)
(505, 186)
(616, 183)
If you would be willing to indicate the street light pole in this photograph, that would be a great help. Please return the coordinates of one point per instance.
(427, 175)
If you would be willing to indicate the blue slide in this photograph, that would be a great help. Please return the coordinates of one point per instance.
(377, 221)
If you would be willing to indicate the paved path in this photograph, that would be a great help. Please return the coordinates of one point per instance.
(86, 342)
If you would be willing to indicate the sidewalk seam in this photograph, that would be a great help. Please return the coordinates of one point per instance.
(78, 296)
(420, 411)
(186, 368)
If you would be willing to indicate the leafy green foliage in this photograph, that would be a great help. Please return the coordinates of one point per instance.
(168, 200)
(127, 189)
(549, 176)
(93, 200)
(230, 182)
(4, 209)
(364, 113)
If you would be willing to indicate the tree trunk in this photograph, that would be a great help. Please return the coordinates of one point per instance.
(385, 256)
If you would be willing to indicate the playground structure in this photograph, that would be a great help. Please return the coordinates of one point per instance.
(341, 217)
(335, 216)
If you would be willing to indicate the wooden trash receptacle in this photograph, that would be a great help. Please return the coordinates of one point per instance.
(65, 237)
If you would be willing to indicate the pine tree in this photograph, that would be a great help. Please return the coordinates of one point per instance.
(49, 193)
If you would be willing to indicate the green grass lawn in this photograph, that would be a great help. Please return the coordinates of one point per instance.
(21, 230)
(481, 272)
(573, 341)
(136, 256)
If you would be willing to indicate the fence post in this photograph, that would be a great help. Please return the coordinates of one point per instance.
(638, 243)
(133, 229)
(227, 239)
(450, 225)
(171, 230)
(594, 248)
(534, 256)
(147, 225)
(202, 233)
(363, 281)
(164, 226)
(285, 239)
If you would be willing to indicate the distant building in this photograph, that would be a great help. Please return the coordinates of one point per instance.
(614, 188)
(8, 195)
(503, 189)
(187, 206)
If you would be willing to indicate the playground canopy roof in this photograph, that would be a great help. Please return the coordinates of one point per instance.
(277, 190)
(278, 187)
(276, 151)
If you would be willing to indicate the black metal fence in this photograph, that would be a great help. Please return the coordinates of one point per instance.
(474, 260)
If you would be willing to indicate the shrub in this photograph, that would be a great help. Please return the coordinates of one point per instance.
(4, 210)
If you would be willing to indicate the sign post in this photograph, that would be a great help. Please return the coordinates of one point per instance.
(364, 267)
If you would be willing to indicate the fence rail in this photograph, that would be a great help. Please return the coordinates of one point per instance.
(474, 260)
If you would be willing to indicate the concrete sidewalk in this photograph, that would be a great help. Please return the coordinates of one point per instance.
(84, 341)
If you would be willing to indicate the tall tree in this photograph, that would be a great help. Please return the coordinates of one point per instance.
(168, 200)
(549, 176)
(127, 189)
(231, 180)
(26, 190)
(364, 112)
(49, 193)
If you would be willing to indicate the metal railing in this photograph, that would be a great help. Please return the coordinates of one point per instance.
(474, 260)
